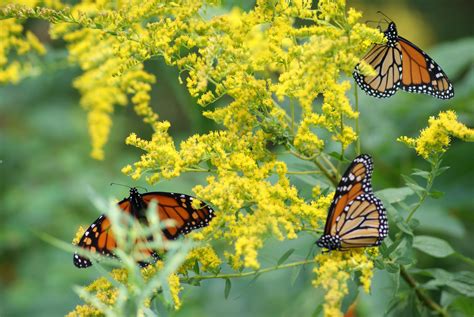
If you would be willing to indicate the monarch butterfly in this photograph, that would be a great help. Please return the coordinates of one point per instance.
(356, 217)
(401, 64)
(99, 238)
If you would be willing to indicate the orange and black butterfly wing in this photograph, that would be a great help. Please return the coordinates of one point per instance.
(354, 182)
(97, 238)
(356, 217)
(363, 223)
(421, 74)
(178, 207)
(387, 62)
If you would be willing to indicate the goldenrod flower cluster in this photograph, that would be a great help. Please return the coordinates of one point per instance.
(108, 293)
(335, 270)
(206, 256)
(15, 46)
(435, 139)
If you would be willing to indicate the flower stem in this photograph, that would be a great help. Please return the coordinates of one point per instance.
(251, 273)
(356, 98)
(292, 109)
(303, 172)
(422, 296)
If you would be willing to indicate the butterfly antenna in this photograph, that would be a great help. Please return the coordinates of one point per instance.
(371, 21)
(129, 187)
(120, 185)
(384, 15)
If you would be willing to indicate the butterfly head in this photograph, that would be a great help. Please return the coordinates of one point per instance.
(391, 34)
(329, 242)
(134, 192)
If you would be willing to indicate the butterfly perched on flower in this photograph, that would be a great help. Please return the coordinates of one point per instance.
(178, 207)
(356, 217)
(401, 64)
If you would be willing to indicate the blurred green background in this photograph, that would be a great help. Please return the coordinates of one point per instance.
(46, 170)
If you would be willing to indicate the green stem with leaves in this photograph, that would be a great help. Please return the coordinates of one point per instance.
(435, 164)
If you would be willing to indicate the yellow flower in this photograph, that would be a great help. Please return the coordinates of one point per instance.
(79, 233)
(334, 272)
(206, 256)
(175, 288)
(85, 310)
(435, 139)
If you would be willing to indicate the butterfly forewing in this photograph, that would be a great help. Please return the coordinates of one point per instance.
(98, 238)
(421, 74)
(386, 61)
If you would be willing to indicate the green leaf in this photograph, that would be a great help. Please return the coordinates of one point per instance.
(436, 194)
(414, 223)
(196, 267)
(285, 256)
(405, 260)
(338, 157)
(410, 182)
(394, 195)
(228, 286)
(463, 305)
(404, 227)
(294, 275)
(421, 173)
(441, 170)
(379, 264)
(463, 282)
(392, 267)
(435, 247)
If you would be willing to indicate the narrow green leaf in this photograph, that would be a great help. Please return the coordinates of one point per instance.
(394, 246)
(435, 247)
(436, 194)
(338, 157)
(317, 312)
(228, 286)
(410, 182)
(392, 267)
(196, 267)
(441, 170)
(379, 264)
(285, 256)
(421, 173)
(404, 227)
(294, 275)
